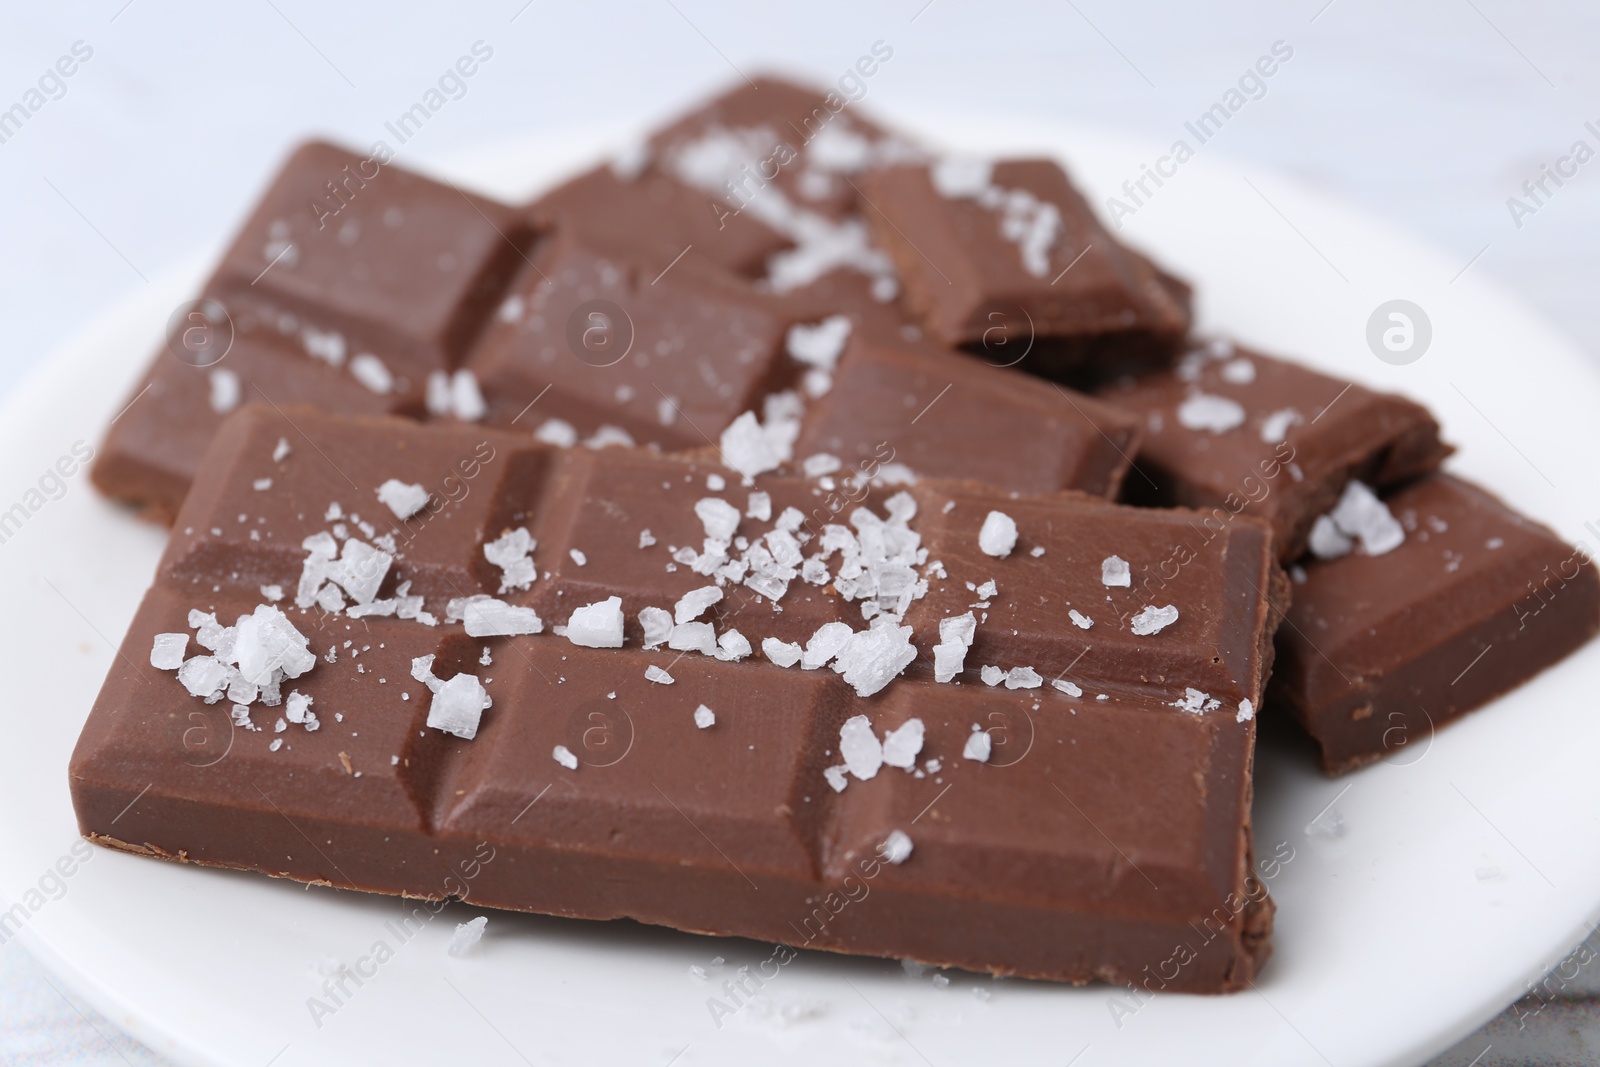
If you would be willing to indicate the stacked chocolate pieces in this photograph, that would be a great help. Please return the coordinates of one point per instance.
(719, 541)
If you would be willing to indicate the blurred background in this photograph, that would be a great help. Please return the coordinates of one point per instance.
(1429, 114)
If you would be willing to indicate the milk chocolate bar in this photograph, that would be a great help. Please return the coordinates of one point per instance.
(1232, 431)
(375, 649)
(351, 283)
(363, 289)
(1009, 260)
(1378, 650)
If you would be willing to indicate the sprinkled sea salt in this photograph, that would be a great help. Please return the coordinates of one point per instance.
(1203, 411)
(896, 847)
(485, 616)
(1360, 514)
(992, 675)
(558, 432)
(655, 674)
(563, 755)
(1079, 619)
(1023, 678)
(978, 745)
(1275, 427)
(1114, 572)
(166, 652)
(597, 625)
(704, 717)
(998, 536)
(694, 603)
(1067, 687)
(1153, 620)
(510, 553)
(859, 747)
(225, 390)
(370, 371)
(1247, 711)
(783, 653)
(901, 745)
(466, 935)
(404, 499)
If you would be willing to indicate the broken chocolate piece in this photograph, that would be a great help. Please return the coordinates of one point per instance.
(352, 282)
(1377, 651)
(1009, 260)
(1234, 431)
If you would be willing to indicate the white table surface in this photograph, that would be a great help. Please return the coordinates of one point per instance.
(1428, 113)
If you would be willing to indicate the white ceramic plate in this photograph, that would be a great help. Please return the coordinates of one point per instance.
(1463, 868)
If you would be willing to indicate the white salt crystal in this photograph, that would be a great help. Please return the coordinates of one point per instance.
(1247, 711)
(404, 499)
(655, 674)
(1114, 573)
(203, 676)
(694, 603)
(558, 432)
(704, 717)
(281, 450)
(859, 747)
(783, 653)
(819, 345)
(578, 557)
(1203, 411)
(825, 644)
(657, 625)
(836, 778)
(1362, 515)
(1327, 541)
(466, 400)
(760, 506)
(370, 371)
(225, 390)
(510, 553)
(487, 617)
(821, 463)
(978, 745)
(949, 659)
(1023, 678)
(901, 745)
(261, 485)
(646, 538)
(563, 755)
(896, 848)
(873, 658)
(458, 705)
(1067, 687)
(266, 642)
(719, 517)
(1275, 427)
(297, 707)
(1154, 620)
(1239, 371)
(693, 637)
(466, 935)
(1079, 619)
(166, 652)
(597, 625)
(992, 675)
(437, 397)
(749, 448)
(999, 534)
(959, 629)
(326, 345)
(733, 646)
